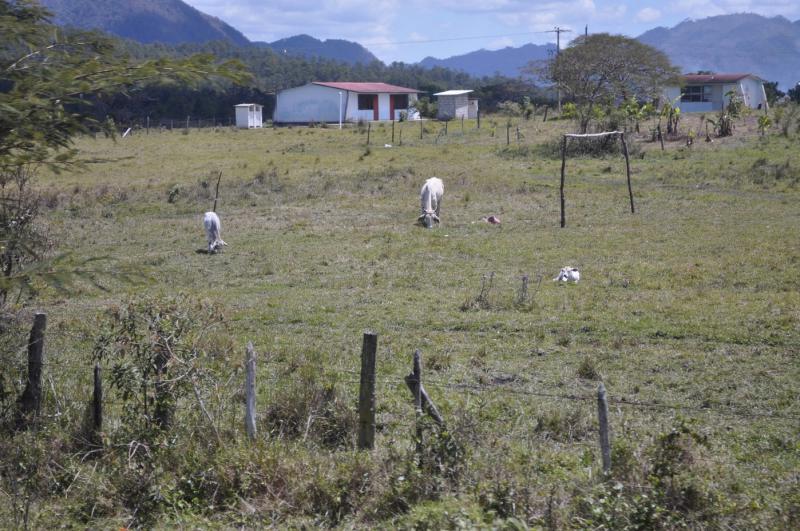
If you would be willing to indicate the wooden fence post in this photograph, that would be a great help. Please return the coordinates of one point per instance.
(97, 404)
(366, 394)
(602, 416)
(508, 133)
(445, 127)
(369, 130)
(627, 169)
(462, 124)
(250, 391)
(416, 375)
(401, 136)
(30, 401)
(546, 108)
(421, 129)
(563, 167)
(660, 136)
(478, 116)
(392, 131)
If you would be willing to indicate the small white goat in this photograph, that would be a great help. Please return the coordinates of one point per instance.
(430, 198)
(213, 226)
(568, 273)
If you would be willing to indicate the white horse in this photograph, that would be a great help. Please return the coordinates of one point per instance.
(430, 198)
(213, 226)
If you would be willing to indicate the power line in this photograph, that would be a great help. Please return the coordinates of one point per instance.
(423, 41)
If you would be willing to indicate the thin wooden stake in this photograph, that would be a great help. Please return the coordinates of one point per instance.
(369, 130)
(627, 169)
(546, 108)
(97, 404)
(508, 134)
(216, 193)
(401, 136)
(392, 131)
(30, 401)
(250, 391)
(366, 395)
(563, 168)
(462, 124)
(660, 137)
(478, 116)
(602, 416)
(421, 129)
(445, 128)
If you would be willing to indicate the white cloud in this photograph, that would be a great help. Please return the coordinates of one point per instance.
(648, 14)
(500, 43)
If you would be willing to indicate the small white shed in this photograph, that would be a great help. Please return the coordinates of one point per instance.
(248, 115)
(454, 104)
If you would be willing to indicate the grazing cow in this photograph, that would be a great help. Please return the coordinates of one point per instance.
(213, 226)
(430, 198)
(568, 273)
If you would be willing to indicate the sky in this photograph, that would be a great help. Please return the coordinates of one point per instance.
(411, 30)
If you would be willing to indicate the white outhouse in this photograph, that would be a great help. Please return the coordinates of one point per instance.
(454, 104)
(248, 115)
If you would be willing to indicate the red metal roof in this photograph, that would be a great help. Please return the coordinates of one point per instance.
(371, 88)
(716, 78)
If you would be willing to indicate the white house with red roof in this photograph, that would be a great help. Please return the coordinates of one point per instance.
(707, 92)
(346, 102)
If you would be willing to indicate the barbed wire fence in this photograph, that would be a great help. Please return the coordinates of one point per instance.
(230, 406)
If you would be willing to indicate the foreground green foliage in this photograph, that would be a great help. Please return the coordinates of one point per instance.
(686, 311)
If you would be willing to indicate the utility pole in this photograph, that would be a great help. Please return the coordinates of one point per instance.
(558, 31)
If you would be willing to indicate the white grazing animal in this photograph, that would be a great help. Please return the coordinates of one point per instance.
(213, 226)
(568, 273)
(430, 198)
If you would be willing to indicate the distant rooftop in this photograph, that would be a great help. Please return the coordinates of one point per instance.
(716, 78)
(372, 88)
(453, 92)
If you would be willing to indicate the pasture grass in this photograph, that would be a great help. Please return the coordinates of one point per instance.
(690, 307)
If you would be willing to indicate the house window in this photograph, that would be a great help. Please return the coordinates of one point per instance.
(366, 102)
(400, 101)
(696, 93)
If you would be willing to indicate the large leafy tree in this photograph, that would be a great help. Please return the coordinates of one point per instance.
(48, 81)
(603, 69)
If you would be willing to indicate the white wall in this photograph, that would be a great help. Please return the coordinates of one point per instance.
(308, 103)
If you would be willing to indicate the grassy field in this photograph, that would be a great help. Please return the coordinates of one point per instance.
(687, 311)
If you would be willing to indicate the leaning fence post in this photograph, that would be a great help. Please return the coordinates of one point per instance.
(627, 169)
(544, 118)
(250, 391)
(602, 415)
(366, 394)
(414, 383)
(563, 167)
(97, 404)
(369, 130)
(30, 401)
(416, 375)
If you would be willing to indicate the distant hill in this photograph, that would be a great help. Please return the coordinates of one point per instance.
(167, 21)
(307, 46)
(507, 62)
(767, 47)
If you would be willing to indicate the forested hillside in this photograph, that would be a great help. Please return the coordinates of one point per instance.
(274, 71)
(170, 21)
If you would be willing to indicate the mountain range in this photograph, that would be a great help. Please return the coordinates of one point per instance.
(767, 47)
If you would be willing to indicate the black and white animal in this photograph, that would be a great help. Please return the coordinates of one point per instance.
(213, 226)
(430, 198)
(568, 273)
